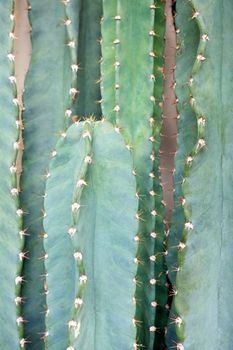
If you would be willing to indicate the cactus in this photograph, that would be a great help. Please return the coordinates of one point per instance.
(139, 121)
(75, 72)
(90, 226)
(89, 58)
(201, 315)
(11, 234)
(44, 118)
(187, 135)
(83, 247)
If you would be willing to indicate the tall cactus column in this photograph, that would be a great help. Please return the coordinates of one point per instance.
(130, 70)
(90, 244)
(50, 97)
(203, 289)
(11, 233)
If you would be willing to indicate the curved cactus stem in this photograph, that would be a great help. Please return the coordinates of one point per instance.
(203, 318)
(11, 236)
(89, 58)
(187, 135)
(134, 110)
(49, 102)
(91, 225)
(187, 124)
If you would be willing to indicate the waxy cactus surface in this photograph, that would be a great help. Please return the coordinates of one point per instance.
(11, 234)
(91, 226)
(202, 315)
(86, 261)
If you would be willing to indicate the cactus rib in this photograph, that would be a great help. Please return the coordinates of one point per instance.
(108, 73)
(205, 267)
(131, 115)
(89, 57)
(45, 118)
(160, 269)
(187, 136)
(12, 236)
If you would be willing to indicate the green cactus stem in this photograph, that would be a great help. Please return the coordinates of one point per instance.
(131, 101)
(89, 58)
(202, 289)
(187, 135)
(90, 241)
(11, 234)
(52, 78)
(108, 62)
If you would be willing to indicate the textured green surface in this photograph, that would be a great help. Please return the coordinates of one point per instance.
(161, 295)
(89, 55)
(187, 122)
(10, 222)
(108, 69)
(46, 99)
(204, 283)
(105, 228)
(131, 107)
(187, 135)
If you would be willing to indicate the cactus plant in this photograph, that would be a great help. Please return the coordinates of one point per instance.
(52, 112)
(85, 262)
(78, 82)
(139, 121)
(201, 315)
(95, 229)
(44, 118)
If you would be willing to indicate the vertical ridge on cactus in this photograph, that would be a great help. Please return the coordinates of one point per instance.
(50, 78)
(205, 277)
(160, 269)
(96, 303)
(131, 110)
(108, 67)
(89, 58)
(187, 135)
(11, 246)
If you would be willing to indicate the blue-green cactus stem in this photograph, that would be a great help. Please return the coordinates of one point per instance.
(186, 28)
(108, 63)
(203, 284)
(11, 234)
(89, 58)
(47, 101)
(131, 109)
(90, 228)
(71, 22)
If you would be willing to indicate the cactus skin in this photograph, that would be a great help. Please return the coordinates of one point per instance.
(89, 56)
(187, 135)
(204, 282)
(106, 227)
(133, 65)
(11, 325)
(108, 73)
(47, 99)
(160, 265)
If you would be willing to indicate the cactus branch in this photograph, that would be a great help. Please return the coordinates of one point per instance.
(91, 224)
